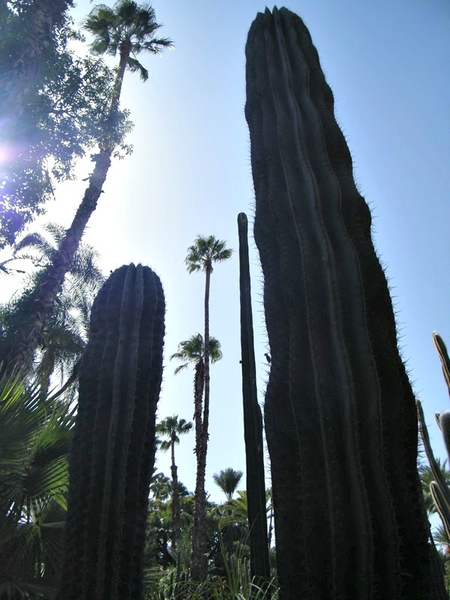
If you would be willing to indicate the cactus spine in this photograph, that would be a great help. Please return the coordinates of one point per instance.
(340, 414)
(256, 492)
(114, 443)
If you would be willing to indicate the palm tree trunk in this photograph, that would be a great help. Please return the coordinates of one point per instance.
(19, 352)
(175, 500)
(198, 554)
(199, 384)
(125, 49)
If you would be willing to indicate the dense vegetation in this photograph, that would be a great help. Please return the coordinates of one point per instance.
(81, 359)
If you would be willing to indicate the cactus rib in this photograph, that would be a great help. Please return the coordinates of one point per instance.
(114, 443)
(340, 415)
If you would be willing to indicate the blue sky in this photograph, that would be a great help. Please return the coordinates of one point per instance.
(387, 63)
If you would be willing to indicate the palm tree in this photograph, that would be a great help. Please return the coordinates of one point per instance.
(126, 29)
(201, 255)
(172, 428)
(64, 337)
(228, 480)
(193, 351)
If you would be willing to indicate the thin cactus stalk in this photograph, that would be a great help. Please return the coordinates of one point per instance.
(340, 414)
(441, 349)
(439, 490)
(441, 503)
(443, 419)
(434, 465)
(114, 442)
(253, 426)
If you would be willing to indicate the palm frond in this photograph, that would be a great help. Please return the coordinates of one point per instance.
(134, 65)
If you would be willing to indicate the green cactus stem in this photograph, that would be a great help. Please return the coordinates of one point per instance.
(340, 415)
(443, 419)
(253, 426)
(438, 488)
(441, 349)
(434, 465)
(114, 443)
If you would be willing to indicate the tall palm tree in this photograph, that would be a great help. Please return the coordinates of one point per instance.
(172, 428)
(193, 351)
(127, 29)
(228, 480)
(201, 256)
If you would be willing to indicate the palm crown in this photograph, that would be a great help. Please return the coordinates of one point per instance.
(228, 480)
(193, 351)
(127, 29)
(204, 252)
(172, 428)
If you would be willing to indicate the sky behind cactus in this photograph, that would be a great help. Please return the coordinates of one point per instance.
(387, 63)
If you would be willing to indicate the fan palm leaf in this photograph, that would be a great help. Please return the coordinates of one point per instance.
(34, 444)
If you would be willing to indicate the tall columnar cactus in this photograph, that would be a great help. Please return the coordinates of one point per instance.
(114, 442)
(340, 414)
(253, 426)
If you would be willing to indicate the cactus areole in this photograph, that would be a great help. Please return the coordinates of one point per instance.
(113, 450)
(340, 414)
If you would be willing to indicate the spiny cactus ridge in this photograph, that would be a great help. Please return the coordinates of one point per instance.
(340, 414)
(114, 443)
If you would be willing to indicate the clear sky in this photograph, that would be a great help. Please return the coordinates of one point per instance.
(387, 63)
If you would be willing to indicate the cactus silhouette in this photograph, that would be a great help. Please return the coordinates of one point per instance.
(340, 415)
(253, 425)
(113, 450)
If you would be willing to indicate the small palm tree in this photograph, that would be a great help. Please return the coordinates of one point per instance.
(160, 486)
(228, 480)
(201, 256)
(193, 351)
(65, 335)
(172, 428)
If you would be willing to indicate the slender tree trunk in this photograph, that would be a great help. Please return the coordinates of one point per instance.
(175, 500)
(207, 378)
(18, 353)
(199, 384)
(198, 555)
(125, 49)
